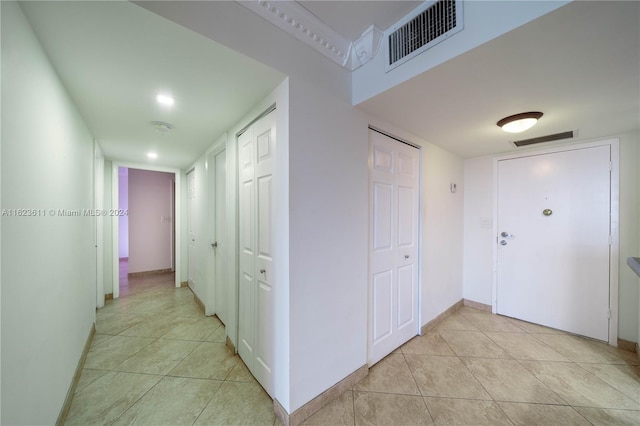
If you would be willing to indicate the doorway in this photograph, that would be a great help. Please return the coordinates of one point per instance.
(146, 263)
(394, 247)
(554, 248)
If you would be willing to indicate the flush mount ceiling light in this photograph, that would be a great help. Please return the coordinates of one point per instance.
(165, 100)
(519, 122)
(161, 126)
(152, 155)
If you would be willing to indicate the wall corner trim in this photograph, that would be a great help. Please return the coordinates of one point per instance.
(62, 417)
(443, 316)
(320, 401)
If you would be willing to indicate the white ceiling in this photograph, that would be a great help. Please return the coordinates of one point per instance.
(114, 57)
(580, 65)
(351, 18)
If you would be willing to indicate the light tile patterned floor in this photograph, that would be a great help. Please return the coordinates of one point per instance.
(157, 360)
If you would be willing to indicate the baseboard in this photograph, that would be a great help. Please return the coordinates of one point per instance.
(627, 345)
(198, 302)
(230, 345)
(184, 284)
(443, 316)
(477, 305)
(320, 401)
(62, 417)
(155, 272)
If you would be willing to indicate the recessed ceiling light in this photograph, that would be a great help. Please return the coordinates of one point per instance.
(152, 155)
(519, 122)
(165, 100)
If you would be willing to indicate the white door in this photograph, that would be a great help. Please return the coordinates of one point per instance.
(191, 195)
(553, 242)
(220, 261)
(256, 147)
(394, 208)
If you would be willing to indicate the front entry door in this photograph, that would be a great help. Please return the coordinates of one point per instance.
(394, 209)
(553, 240)
(256, 148)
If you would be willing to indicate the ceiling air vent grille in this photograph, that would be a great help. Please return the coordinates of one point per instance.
(423, 29)
(555, 137)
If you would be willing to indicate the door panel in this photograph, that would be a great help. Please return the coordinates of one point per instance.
(256, 148)
(382, 299)
(553, 263)
(394, 182)
(221, 283)
(191, 195)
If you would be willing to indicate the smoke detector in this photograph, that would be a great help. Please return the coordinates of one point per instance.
(161, 126)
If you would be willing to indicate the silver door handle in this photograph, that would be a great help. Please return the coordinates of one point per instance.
(214, 244)
(506, 235)
(406, 256)
(262, 271)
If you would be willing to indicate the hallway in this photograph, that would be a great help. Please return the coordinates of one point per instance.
(156, 359)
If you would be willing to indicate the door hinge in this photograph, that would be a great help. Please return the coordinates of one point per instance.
(610, 166)
(609, 239)
(609, 314)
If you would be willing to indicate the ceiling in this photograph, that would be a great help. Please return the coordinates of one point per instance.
(351, 18)
(115, 57)
(579, 65)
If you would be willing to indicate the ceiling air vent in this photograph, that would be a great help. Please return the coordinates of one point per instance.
(548, 138)
(425, 27)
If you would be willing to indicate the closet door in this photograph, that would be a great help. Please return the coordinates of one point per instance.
(256, 212)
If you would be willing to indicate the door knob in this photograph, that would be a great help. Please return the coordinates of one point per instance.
(214, 244)
(262, 271)
(506, 235)
(406, 256)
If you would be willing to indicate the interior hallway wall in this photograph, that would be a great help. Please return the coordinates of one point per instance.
(150, 220)
(479, 238)
(48, 261)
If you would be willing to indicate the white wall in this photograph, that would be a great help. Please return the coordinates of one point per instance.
(483, 21)
(328, 152)
(123, 204)
(478, 241)
(150, 216)
(48, 262)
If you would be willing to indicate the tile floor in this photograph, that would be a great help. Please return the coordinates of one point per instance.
(157, 360)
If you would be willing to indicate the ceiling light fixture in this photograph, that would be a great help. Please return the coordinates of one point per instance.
(519, 122)
(161, 126)
(152, 155)
(165, 100)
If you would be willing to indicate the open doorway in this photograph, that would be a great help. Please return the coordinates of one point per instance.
(145, 235)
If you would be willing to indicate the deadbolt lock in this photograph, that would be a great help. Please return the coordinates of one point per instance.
(547, 212)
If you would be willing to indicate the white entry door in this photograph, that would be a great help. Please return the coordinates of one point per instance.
(553, 240)
(256, 147)
(191, 194)
(394, 209)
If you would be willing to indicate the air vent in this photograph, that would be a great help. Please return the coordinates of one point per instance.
(548, 138)
(422, 29)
